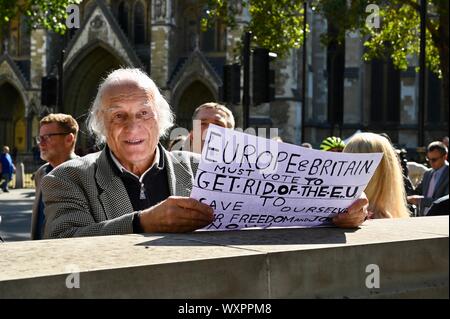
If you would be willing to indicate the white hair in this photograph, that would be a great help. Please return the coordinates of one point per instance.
(95, 122)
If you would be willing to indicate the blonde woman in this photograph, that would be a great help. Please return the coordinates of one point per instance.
(385, 191)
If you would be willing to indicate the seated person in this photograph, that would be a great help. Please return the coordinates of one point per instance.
(133, 185)
(385, 191)
(435, 181)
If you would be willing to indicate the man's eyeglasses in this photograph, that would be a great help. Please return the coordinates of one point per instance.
(432, 160)
(46, 137)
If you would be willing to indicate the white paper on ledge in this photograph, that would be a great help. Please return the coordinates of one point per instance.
(252, 181)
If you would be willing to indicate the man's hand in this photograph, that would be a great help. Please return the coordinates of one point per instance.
(176, 215)
(355, 215)
(414, 199)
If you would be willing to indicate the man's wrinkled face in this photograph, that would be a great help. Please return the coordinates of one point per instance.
(131, 123)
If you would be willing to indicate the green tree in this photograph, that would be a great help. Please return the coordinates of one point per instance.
(277, 25)
(48, 14)
(398, 34)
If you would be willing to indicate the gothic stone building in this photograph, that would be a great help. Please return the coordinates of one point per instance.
(164, 38)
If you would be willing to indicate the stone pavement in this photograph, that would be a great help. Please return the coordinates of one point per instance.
(15, 212)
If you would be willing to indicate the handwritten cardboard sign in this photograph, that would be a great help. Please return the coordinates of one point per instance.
(256, 182)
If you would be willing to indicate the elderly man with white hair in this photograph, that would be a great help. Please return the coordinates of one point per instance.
(133, 185)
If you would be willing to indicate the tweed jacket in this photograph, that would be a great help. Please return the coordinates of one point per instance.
(441, 188)
(84, 197)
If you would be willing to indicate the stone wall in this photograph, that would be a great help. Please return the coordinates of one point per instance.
(407, 257)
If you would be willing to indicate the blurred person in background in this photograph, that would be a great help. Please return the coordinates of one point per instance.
(434, 184)
(7, 169)
(205, 114)
(57, 138)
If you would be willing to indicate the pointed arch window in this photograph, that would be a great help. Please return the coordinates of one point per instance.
(139, 23)
(385, 92)
(214, 38)
(190, 29)
(122, 16)
(24, 37)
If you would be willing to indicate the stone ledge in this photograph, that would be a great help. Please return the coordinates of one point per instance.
(412, 255)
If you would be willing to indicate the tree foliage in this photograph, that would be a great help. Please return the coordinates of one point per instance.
(275, 25)
(398, 35)
(48, 14)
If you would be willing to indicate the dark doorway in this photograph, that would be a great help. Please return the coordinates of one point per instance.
(193, 96)
(81, 84)
(12, 118)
